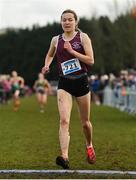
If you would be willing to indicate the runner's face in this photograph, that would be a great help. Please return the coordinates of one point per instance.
(68, 22)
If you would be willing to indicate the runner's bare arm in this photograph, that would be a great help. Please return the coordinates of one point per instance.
(50, 55)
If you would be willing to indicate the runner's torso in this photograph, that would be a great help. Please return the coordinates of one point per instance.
(66, 62)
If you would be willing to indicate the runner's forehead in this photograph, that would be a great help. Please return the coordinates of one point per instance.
(67, 16)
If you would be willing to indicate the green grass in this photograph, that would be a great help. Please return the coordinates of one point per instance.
(29, 139)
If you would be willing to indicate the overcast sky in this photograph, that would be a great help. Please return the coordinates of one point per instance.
(25, 13)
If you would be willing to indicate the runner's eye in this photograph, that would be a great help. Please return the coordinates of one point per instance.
(69, 20)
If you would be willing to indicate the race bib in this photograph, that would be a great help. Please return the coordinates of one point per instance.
(70, 66)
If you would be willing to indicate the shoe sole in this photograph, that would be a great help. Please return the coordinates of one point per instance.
(91, 161)
(62, 165)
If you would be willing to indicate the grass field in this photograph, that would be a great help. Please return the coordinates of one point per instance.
(29, 139)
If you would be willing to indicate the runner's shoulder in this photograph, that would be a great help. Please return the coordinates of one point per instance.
(54, 40)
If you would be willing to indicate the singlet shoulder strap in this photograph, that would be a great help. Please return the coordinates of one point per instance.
(59, 37)
(81, 37)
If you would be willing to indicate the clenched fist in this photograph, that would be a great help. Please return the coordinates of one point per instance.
(45, 69)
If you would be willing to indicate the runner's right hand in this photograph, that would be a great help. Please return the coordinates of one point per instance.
(45, 69)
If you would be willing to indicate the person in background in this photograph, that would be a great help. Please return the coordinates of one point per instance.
(17, 82)
(7, 88)
(42, 89)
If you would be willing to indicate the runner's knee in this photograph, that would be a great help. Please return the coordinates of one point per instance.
(64, 122)
(86, 124)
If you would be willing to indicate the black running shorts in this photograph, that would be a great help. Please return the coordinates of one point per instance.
(76, 87)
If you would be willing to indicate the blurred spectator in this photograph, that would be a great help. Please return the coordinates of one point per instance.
(6, 87)
(94, 86)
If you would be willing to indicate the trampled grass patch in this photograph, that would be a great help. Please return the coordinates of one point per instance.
(29, 139)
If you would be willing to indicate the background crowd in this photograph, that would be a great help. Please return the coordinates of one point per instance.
(124, 83)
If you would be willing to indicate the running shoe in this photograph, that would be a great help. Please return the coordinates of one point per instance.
(91, 158)
(62, 162)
